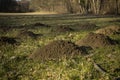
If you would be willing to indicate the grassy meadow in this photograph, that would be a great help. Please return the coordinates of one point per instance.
(99, 64)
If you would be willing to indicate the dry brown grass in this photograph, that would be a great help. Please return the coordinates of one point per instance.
(30, 13)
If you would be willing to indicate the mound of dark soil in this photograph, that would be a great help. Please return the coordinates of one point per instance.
(8, 40)
(62, 29)
(109, 30)
(87, 26)
(41, 24)
(28, 34)
(57, 50)
(4, 29)
(7, 28)
(95, 40)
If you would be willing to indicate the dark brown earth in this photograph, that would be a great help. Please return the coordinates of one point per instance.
(4, 29)
(109, 30)
(62, 29)
(7, 28)
(41, 24)
(95, 41)
(86, 26)
(28, 34)
(8, 40)
(57, 50)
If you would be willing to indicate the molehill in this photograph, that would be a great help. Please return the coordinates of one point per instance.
(95, 40)
(57, 50)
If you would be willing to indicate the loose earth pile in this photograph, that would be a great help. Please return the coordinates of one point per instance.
(110, 30)
(62, 29)
(95, 40)
(4, 29)
(8, 40)
(57, 50)
(41, 24)
(87, 26)
(28, 34)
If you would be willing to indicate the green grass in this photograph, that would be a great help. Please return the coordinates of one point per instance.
(15, 65)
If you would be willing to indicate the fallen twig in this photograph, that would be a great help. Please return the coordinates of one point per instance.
(99, 68)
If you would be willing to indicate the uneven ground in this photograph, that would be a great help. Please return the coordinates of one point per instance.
(22, 35)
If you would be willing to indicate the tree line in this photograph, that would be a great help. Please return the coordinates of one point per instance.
(63, 6)
(7, 5)
(78, 6)
(14, 6)
(94, 6)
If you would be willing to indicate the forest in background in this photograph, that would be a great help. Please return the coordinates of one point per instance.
(14, 5)
(65, 6)
(78, 6)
